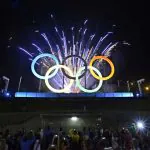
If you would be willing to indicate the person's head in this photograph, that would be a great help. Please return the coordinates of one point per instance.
(127, 131)
(79, 133)
(37, 136)
(63, 133)
(30, 134)
(86, 138)
(75, 132)
(65, 143)
(123, 130)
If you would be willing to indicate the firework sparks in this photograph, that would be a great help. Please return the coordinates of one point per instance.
(78, 44)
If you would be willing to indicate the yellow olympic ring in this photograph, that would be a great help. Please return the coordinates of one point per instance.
(111, 65)
(66, 89)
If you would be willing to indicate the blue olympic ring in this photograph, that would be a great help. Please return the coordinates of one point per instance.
(40, 56)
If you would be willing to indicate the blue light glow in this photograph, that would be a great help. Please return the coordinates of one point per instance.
(7, 94)
(137, 94)
(40, 56)
(52, 95)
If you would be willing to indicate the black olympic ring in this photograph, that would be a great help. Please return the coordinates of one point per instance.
(85, 65)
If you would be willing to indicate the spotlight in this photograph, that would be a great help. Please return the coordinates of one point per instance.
(74, 119)
(137, 94)
(140, 125)
(132, 83)
(7, 94)
(147, 88)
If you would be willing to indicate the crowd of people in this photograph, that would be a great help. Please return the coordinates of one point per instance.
(87, 139)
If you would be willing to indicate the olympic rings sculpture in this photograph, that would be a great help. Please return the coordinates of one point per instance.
(111, 65)
(52, 71)
(37, 58)
(81, 87)
(65, 90)
(77, 57)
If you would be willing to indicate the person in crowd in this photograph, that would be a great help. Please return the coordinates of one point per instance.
(128, 140)
(15, 142)
(122, 138)
(41, 133)
(47, 137)
(27, 141)
(91, 134)
(74, 140)
(100, 144)
(115, 145)
(77, 140)
(37, 143)
(108, 137)
(3, 145)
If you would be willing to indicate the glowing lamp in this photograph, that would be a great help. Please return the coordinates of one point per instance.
(137, 94)
(147, 88)
(74, 119)
(7, 94)
(140, 125)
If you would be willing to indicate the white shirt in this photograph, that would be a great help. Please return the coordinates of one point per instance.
(37, 145)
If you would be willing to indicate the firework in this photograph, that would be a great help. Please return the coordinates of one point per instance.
(81, 44)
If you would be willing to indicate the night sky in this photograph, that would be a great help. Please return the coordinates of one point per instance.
(20, 18)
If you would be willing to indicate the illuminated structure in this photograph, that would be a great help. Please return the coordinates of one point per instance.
(55, 95)
(76, 57)
(78, 75)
